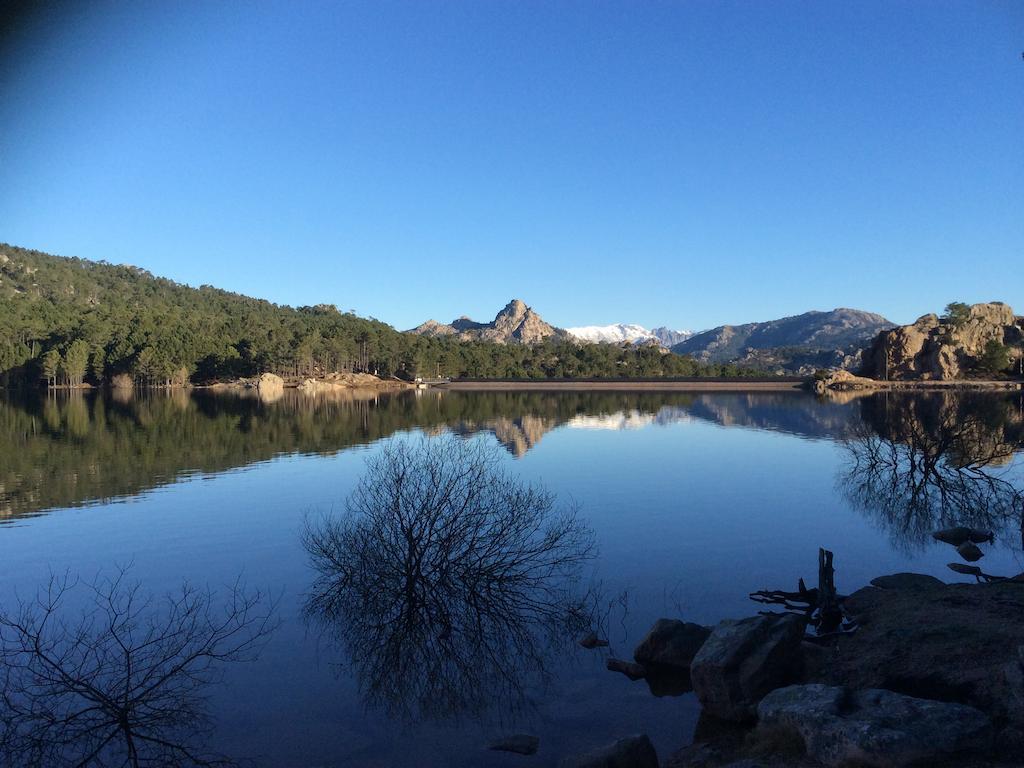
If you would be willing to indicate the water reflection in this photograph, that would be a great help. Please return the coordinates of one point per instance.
(447, 583)
(922, 463)
(71, 450)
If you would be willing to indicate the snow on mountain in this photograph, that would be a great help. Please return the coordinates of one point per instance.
(620, 332)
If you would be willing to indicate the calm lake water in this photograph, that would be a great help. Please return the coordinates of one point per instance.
(694, 501)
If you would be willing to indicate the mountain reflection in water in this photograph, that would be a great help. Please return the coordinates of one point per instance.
(915, 460)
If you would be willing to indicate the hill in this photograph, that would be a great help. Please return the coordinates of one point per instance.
(73, 321)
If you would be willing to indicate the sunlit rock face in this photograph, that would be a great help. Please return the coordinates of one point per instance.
(515, 324)
(933, 348)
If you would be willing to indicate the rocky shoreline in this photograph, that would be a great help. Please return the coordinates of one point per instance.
(844, 381)
(919, 673)
(270, 386)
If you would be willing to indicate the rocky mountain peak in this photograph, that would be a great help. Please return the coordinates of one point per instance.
(516, 323)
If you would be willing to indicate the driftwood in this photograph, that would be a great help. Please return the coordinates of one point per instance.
(821, 605)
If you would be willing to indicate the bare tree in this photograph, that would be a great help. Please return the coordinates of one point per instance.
(121, 681)
(447, 581)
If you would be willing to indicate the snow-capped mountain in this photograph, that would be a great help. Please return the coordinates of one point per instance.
(620, 332)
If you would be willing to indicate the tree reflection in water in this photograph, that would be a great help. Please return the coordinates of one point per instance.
(447, 582)
(924, 468)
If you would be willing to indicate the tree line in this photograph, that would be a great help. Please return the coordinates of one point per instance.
(68, 321)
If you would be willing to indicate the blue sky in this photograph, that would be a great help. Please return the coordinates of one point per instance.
(684, 164)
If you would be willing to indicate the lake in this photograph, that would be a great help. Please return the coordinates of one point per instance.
(693, 500)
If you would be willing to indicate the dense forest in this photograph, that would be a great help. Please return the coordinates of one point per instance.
(72, 321)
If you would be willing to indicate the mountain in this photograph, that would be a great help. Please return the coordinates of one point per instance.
(627, 332)
(515, 324)
(842, 331)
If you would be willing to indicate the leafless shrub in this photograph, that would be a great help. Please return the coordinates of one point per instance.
(121, 681)
(446, 580)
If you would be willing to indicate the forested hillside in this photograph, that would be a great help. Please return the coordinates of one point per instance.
(67, 320)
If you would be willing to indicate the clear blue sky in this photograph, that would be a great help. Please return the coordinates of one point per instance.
(684, 164)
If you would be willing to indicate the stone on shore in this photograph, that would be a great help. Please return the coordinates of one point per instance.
(520, 743)
(671, 644)
(906, 581)
(629, 752)
(743, 660)
(953, 642)
(269, 386)
(874, 727)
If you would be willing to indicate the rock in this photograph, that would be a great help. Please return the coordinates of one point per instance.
(270, 387)
(970, 551)
(628, 668)
(629, 752)
(592, 641)
(743, 660)
(671, 643)
(664, 681)
(906, 581)
(844, 381)
(954, 642)
(874, 727)
(931, 348)
(520, 743)
(966, 570)
(961, 534)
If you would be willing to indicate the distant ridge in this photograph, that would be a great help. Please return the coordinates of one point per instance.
(619, 333)
(842, 330)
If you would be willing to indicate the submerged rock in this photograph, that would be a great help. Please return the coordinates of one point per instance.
(743, 660)
(592, 641)
(628, 668)
(629, 752)
(520, 743)
(874, 727)
(961, 534)
(672, 644)
(970, 551)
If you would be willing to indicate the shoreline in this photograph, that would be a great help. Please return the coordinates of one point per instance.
(541, 385)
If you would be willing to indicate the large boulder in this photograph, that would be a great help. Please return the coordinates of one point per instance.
(874, 727)
(743, 660)
(932, 348)
(269, 386)
(671, 644)
(950, 642)
(629, 752)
